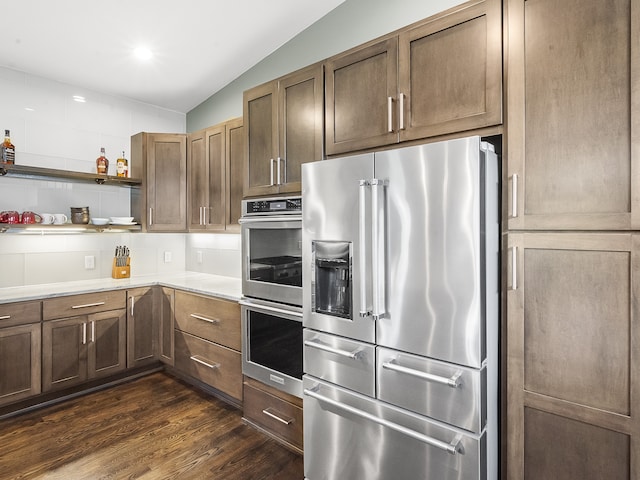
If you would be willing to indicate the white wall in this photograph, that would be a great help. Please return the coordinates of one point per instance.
(50, 129)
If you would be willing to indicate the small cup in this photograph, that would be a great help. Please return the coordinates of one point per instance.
(10, 217)
(47, 218)
(59, 218)
(30, 217)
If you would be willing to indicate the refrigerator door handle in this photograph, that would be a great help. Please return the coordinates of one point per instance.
(451, 447)
(378, 247)
(453, 381)
(362, 235)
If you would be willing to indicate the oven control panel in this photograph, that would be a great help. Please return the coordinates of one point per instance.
(267, 206)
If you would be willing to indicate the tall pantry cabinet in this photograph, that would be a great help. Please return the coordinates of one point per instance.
(572, 250)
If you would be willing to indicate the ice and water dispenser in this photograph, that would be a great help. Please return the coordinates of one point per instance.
(331, 278)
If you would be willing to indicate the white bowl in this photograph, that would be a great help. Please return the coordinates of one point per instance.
(121, 220)
(99, 221)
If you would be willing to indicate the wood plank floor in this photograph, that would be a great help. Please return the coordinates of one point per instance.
(155, 427)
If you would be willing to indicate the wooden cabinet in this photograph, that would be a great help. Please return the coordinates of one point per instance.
(276, 413)
(441, 75)
(166, 315)
(160, 159)
(20, 351)
(572, 90)
(573, 344)
(207, 341)
(142, 327)
(283, 129)
(214, 164)
(89, 344)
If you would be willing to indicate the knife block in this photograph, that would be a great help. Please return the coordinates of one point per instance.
(123, 271)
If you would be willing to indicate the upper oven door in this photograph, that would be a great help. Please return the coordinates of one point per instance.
(272, 258)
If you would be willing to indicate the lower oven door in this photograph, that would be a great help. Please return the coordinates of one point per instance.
(272, 344)
(351, 436)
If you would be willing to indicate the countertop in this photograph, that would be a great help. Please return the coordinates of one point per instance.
(229, 288)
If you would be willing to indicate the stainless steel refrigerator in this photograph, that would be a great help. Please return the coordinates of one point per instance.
(400, 311)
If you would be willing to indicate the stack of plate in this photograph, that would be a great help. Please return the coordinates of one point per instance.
(122, 221)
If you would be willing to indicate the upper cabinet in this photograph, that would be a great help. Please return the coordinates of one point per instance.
(283, 129)
(572, 143)
(215, 158)
(162, 204)
(440, 76)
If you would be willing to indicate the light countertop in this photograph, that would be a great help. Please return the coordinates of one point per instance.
(229, 288)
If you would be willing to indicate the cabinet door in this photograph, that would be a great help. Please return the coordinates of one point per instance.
(235, 154)
(214, 213)
(167, 322)
(167, 182)
(197, 186)
(572, 142)
(107, 343)
(300, 103)
(450, 72)
(20, 363)
(261, 139)
(572, 353)
(361, 86)
(64, 352)
(142, 327)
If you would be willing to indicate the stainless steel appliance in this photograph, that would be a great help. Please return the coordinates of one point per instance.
(271, 306)
(400, 308)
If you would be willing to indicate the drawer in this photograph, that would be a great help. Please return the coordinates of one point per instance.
(274, 414)
(443, 391)
(340, 361)
(19, 313)
(210, 363)
(74, 305)
(209, 318)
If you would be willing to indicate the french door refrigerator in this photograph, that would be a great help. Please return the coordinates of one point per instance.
(400, 254)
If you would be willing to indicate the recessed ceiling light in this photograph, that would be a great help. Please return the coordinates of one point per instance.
(143, 53)
(79, 98)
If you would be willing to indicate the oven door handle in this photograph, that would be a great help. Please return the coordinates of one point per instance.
(267, 308)
(294, 217)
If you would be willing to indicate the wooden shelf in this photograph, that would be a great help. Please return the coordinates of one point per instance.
(25, 171)
(40, 229)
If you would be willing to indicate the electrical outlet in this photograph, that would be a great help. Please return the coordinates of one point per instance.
(199, 256)
(89, 262)
(167, 257)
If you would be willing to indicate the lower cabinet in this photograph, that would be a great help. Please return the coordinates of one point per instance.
(80, 348)
(20, 351)
(274, 412)
(142, 327)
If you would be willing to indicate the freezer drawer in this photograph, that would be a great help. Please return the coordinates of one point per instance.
(449, 393)
(377, 441)
(341, 361)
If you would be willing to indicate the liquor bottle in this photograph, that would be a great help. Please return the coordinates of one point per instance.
(102, 164)
(122, 166)
(7, 150)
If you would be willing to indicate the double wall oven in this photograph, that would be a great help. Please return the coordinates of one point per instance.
(272, 292)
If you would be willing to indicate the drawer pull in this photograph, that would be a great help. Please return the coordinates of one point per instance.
(270, 413)
(201, 361)
(86, 305)
(355, 355)
(453, 381)
(205, 319)
(5, 317)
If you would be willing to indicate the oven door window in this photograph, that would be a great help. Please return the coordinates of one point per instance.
(275, 256)
(275, 343)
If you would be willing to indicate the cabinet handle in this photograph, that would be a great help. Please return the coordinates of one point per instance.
(401, 111)
(453, 381)
(204, 215)
(133, 301)
(86, 305)
(205, 319)
(514, 268)
(514, 195)
(150, 216)
(269, 412)
(278, 172)
(93, 331)
(5, 317)
(202, 361)
(84, 333)
(272, 160)
(390, 113)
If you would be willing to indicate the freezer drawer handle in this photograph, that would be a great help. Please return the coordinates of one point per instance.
(86, 305)
(268, 412)
(198, 359)
(355, 355)
(453, 447)
(205, 319)
(453, 381)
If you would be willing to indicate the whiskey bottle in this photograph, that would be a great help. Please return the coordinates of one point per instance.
(7, 150)
(122, 166)
(102, 164)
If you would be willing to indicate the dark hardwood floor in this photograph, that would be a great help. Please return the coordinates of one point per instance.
(155, 427)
